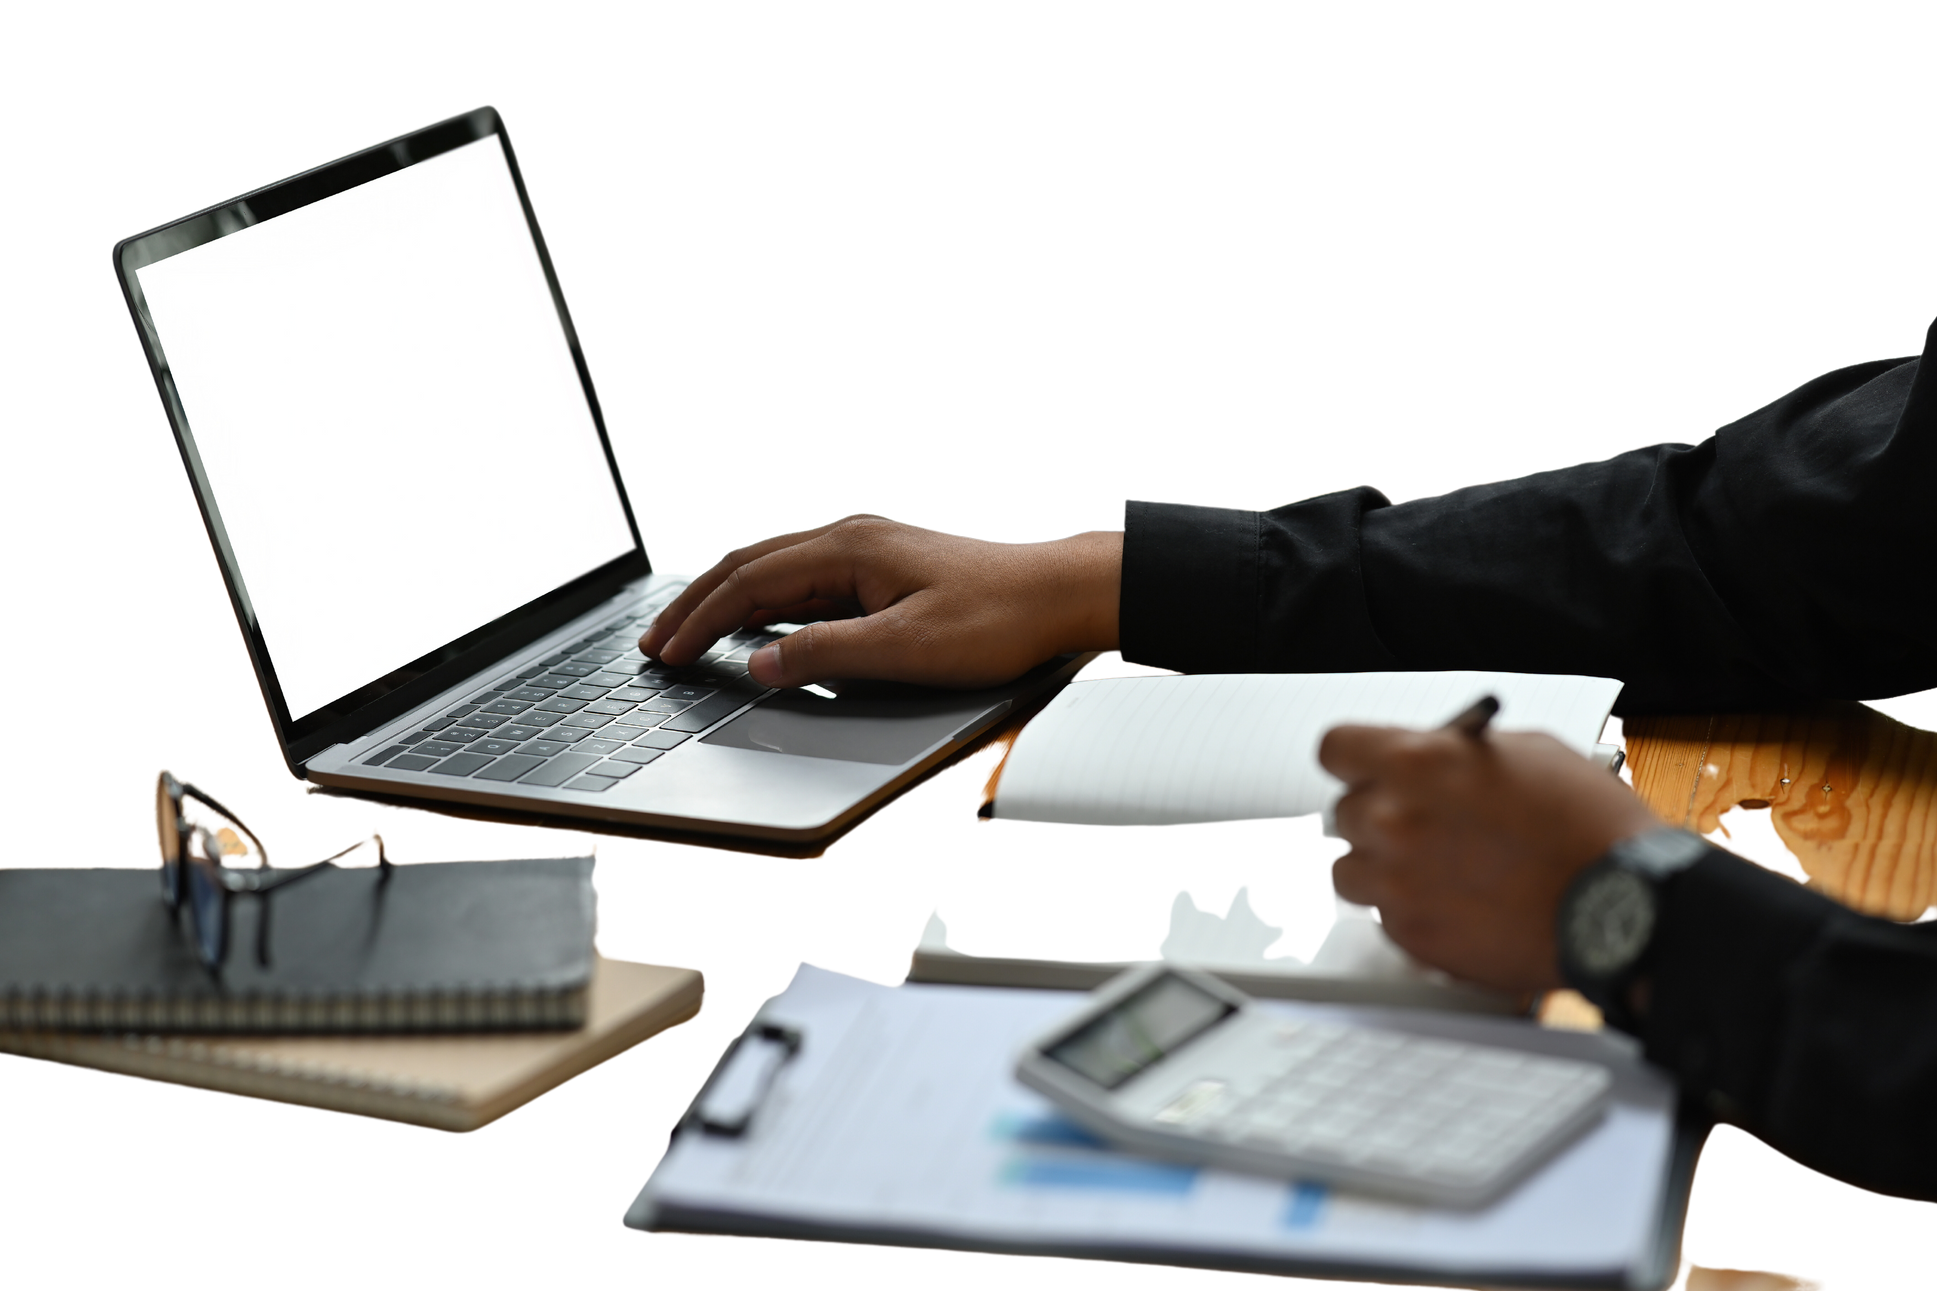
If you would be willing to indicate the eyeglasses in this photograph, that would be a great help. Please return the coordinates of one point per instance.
(199, 839)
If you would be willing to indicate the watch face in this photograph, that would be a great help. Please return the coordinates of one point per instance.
(1610, 922)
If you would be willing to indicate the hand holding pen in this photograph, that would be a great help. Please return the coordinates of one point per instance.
(1465, 838)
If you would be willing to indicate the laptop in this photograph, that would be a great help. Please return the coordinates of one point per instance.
(401, 463)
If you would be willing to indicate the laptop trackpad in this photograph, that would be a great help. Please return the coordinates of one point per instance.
(883, 730)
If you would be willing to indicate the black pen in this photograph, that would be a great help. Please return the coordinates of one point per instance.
(1473, 721)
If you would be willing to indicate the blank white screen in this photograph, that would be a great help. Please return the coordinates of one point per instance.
(389, 416)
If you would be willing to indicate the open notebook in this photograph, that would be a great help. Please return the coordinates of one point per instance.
(1173, 750)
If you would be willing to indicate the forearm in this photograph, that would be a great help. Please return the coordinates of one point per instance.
(1811, 1026)
(1083, 576)
(1749, 569)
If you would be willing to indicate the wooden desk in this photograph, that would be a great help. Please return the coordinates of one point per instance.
(1851, 793)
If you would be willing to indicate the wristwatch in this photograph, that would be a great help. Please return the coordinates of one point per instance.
(1606, 922)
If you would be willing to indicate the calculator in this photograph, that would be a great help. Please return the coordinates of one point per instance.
(1173, 1062)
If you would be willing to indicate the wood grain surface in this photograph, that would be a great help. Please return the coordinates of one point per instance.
(1852, 793)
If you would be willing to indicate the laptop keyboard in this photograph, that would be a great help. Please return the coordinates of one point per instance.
(584, 718)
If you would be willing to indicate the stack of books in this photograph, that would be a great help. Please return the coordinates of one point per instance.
(441, 995)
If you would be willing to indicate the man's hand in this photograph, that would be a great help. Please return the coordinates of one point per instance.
(1466, 845)
(897, 603)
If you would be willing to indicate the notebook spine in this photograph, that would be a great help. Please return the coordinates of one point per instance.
(465, 1009)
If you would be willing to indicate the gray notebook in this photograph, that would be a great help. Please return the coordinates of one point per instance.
(463, 946)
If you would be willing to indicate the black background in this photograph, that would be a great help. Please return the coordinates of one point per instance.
(967, 299)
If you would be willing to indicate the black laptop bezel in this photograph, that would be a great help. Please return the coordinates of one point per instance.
(362, 710)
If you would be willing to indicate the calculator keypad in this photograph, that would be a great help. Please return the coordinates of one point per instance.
(1437, 1111)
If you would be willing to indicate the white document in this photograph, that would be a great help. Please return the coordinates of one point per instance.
(1174, 750)
(900, 1121)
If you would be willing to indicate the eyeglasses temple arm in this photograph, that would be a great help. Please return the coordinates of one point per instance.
(368, 842)
(287, 877)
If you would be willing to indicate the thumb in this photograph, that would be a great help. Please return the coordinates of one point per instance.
(867, 646)
(1355, 878)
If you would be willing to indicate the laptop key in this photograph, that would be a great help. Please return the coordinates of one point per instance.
(574, 669)
(556, 659)
(487, 720)
(635, 693)
(537, 717)
(462, 764)
(436, 749)
(523, 730)
(410, 762)
(463, 710)
(584, 691)
(551, 682)
(560, 704)
(529, 673)
(493, 747)
(414, 736)
(596, 745)
(613, 770)
(567, 734)
(530, 693)
(440, 723)
(611, 707)
(597, 656)
(543, 748)
(592, 783)
(508, 707)
(608, 679)
(378, 759)
(590, 721)
(641, 756)
(660, 740)
(662, 704)
(509, 767)
(692, 694)
(559, 770)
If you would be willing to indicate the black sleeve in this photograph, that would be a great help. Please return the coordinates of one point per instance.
(1811, 1026)
(1787, 556)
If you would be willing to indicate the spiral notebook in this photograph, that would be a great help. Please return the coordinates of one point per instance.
(461, 946)
(445, 1082)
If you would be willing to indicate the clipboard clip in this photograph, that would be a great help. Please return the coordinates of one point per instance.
(742, 1080)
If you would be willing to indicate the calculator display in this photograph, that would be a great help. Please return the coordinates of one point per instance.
(1140, 1029)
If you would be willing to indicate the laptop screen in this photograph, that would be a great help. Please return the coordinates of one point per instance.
(389, 417)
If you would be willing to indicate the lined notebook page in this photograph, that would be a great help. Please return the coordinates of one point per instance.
(1172, 750)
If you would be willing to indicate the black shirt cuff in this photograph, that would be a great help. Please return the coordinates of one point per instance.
(1728, 943)
(1210, 590)
(1190, 587)
(1809, 1025)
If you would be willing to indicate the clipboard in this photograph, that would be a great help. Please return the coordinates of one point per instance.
(744, 1160)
